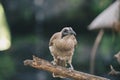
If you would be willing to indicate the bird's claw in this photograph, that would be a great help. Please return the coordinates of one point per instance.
(71, 68)
(53, 62)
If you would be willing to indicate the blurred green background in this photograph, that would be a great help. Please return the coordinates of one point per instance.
(31, 23)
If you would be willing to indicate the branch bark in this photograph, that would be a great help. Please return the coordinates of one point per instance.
(39, 63)
(113, 71)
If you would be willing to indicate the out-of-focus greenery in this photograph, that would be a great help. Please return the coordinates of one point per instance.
(32, 23)
(100, 5)
(7, 66)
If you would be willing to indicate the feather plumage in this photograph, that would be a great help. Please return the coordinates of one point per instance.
(62, 46)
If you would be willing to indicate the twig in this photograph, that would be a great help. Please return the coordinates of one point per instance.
(94, 49)
(113, 71)
(39, 63)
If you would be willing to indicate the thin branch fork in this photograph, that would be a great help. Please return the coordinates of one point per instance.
(42, 64)
(113, 71)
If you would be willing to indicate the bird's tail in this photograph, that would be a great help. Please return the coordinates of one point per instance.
(62, 63)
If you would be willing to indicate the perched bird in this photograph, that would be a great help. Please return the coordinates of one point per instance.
(62, 46)
(117, 56)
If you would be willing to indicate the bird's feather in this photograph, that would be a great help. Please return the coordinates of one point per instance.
(62, 48)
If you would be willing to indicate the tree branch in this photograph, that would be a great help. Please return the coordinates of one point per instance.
(113, 71)
(39, 63)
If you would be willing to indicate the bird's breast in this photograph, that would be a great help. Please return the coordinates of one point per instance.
(64, 45)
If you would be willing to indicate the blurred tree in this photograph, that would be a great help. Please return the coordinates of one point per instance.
(50, 16)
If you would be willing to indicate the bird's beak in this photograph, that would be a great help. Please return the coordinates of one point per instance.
(73, 32)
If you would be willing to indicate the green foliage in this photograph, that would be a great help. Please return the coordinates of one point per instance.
(28, 38)
(100, 5)
(106, 44)
(7, 66)
(110, 43)
(76, 2)
(21, 16)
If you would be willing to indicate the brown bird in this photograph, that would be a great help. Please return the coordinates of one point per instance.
(62, 46)
(117, 56)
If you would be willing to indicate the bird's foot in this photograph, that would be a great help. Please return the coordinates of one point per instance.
(71, 68)
(53, 62)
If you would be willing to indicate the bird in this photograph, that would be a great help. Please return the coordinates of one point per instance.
(61, 46)
(117, 56)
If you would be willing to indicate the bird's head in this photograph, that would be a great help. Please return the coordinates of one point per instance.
(67, 31)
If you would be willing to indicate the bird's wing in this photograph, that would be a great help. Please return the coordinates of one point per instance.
(54, 37)
(75, 41)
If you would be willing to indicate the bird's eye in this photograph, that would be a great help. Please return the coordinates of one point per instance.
(65, 30)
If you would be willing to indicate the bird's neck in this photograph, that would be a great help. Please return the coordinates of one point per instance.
(67, 37)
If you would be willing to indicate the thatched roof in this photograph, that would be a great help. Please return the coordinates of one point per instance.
(107, 18)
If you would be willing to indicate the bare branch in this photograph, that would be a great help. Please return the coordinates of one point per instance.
(113, 71)
(39, 63)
